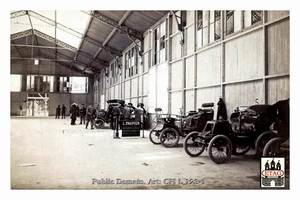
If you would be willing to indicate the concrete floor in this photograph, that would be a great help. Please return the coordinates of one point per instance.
(48, 153)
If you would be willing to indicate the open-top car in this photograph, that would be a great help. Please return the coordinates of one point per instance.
(222, 138)
(170, 128)
(104, 116)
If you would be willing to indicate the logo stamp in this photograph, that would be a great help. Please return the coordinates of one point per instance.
(272, 172)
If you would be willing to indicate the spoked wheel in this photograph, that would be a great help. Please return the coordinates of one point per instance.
(262, 140)
(99, 123)
(272, 148)
(193, 145)
(169, 137)
(241, 149)
(220, 149)
(154, 136)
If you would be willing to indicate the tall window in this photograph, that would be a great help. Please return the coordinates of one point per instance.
(15, 83)
(79, 84)
(62, 84)
(215, 26)
(229, 22)
(202, 27)
(47, 84)
(256, 16)
(160, 44)
(127, 61)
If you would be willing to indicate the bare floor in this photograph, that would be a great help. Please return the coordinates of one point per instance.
(48, 153)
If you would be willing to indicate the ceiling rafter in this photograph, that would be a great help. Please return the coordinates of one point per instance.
(115, 24)
(58, 42)
(68, 30)
(90, 54)
(34, 39)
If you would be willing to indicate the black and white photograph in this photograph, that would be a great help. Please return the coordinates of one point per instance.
(156, 99)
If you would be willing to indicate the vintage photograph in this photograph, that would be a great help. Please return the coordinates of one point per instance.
(150, 99)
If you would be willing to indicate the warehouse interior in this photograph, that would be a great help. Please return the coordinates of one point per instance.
(162, 58)
(175, 60)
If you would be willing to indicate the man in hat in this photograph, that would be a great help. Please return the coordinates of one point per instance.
(90, 116)
(63, 111)
(82, 112)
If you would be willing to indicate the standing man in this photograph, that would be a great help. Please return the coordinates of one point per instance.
(63, 111)
(82, 112)
(73, 114)
(57, 112)
(90, 116)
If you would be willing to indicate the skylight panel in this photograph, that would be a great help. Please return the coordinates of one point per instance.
(19, 24)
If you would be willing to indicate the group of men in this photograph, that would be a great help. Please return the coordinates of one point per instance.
(84, 113)
(88, 113)
(63, 111)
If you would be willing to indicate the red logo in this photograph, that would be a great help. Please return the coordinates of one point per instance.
(272, 173)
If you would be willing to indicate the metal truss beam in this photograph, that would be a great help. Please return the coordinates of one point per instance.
(21, 34)
(54, 40)
(123, 29)
(18, 14)
(58, 42)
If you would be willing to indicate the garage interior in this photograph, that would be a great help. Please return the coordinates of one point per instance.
(162, 58)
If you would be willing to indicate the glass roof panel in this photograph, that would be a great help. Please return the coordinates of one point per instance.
(70, 20)
(43, 27)
(19, 24)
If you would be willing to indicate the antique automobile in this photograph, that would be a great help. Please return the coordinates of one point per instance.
(279, 145)
(169, 129)
(104, 117)
(222, 138)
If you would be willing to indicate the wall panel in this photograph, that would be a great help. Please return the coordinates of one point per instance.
(190, 16)
(244, 57)
(243, 94)
(209, 66)
(206, 95)
(190, 72)
(134, 87)
(162, 86)
(176, 102)
(146, 84)
(176, 46)
(189, 100)
(152, 89)
(273, 15)
(278, 89)
(190, 40)
(127, 89)
(176, 75)
(278, 47)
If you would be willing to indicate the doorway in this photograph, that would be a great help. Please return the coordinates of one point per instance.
(37, 104)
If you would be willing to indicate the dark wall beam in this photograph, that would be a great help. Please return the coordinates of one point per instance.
(64, 65)
(71, 60)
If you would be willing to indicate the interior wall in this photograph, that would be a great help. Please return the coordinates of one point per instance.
(249, 64)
